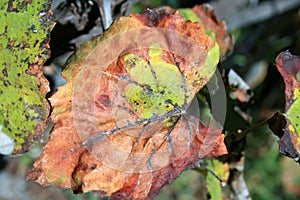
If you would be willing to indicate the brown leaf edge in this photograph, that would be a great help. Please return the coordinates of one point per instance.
(84, 170)
(278, 123)
(210, 21)
(43, 84)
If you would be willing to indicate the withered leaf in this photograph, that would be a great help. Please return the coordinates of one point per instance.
(286, 126)
(205, 15)
(121, 126)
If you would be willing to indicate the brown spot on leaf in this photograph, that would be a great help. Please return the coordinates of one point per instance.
(103, 101)
(4, 72)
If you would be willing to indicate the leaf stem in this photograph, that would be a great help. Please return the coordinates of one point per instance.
(256, 126)
(205, 170)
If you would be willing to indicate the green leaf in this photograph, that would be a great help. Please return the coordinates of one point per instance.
(219, 173)
(24, 28)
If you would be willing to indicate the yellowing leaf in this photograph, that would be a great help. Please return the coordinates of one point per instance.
(121, 126)
(287, 126)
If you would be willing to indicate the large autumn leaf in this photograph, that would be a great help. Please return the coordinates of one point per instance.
(286, 126)
(24, 31)
(121, 121)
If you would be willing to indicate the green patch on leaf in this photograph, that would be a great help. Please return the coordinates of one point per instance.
(188, 14)
(211, 60)
(293, 113)
(158, 86)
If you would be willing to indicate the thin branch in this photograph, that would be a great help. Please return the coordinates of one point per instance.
(238, 13)
(250, 129)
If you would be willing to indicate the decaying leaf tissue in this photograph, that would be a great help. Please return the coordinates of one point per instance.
(121, 125)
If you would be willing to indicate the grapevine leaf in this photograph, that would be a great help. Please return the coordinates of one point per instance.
(286, 126)
(219, 174)
(24, 29)
(121, 122)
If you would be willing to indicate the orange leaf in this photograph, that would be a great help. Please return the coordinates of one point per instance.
(121, 126)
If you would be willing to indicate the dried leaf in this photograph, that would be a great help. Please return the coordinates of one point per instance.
(289, 144)
(121, 126)
(24, 29)
(205, 14)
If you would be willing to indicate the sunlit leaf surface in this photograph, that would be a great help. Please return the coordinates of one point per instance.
(121, 121)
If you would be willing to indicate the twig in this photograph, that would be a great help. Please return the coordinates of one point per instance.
(248, 130)
(238, 13)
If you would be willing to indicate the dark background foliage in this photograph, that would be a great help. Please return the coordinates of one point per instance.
(267, 173)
